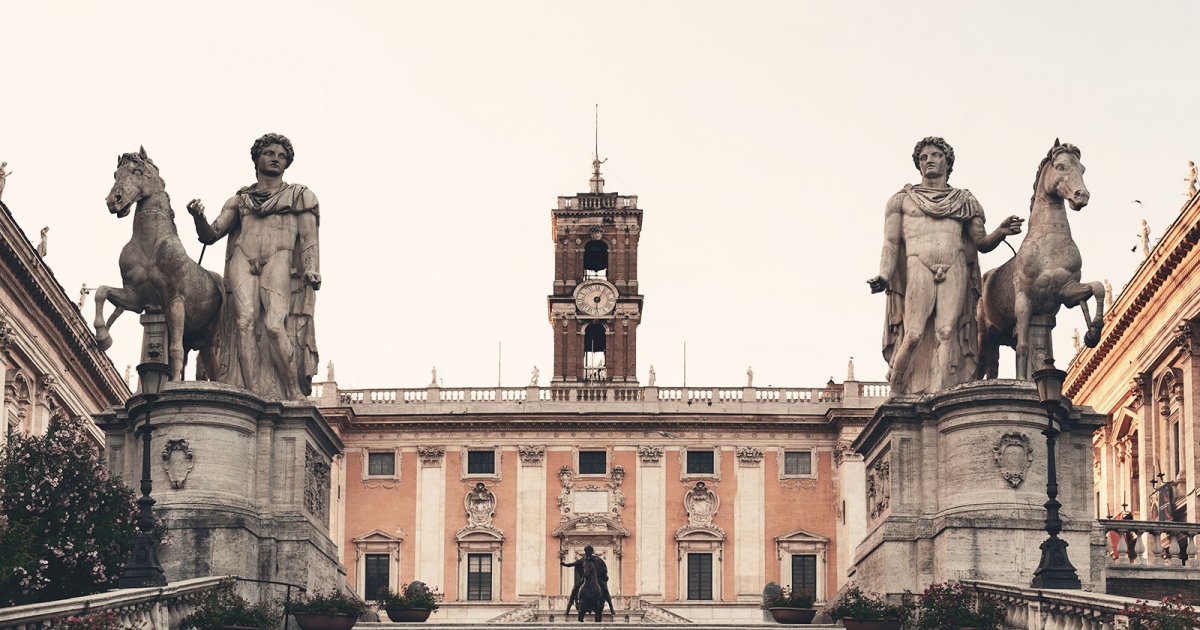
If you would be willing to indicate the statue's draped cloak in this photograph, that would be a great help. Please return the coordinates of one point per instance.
(940, 203)
(293, 199)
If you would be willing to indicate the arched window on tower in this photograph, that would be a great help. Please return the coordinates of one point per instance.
(593, 353)
(595, 260)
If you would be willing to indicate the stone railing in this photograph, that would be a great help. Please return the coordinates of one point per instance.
(857, 393)
(1159, 544)
(1039, 609)
(149, 608)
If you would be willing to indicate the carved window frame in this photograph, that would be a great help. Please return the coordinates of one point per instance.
(377, 542)
(479, 541)
(366, 464)
(700, 541)
(608, 462)
(803, 543)
(781, 458)
(684, 475)
(497, 458)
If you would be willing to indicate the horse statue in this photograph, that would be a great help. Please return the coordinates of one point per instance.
(1044, 275)
(591, 594)
(157, 274)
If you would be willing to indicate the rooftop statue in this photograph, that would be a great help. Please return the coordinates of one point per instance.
(1044, 275)
(930, 270)
(272, 271)
(1192, 187)
(4, 173)
(156, 271)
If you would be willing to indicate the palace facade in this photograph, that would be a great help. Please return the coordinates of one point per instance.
(49, 362)
(1145, 375)
(695, 497)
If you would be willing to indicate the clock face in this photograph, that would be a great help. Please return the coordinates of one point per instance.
(596, 298)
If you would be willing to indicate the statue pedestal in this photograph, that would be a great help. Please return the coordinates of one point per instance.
(241, 483)
(955, 487)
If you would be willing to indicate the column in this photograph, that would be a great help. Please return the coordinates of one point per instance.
(749, 525)
(651, 522)
(429, 539)
(531, 521)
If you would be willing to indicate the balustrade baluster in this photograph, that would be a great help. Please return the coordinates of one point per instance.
(1139, 548)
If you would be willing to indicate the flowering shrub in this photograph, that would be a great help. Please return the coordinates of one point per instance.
(66, 527)
(860, 606)
(788, 598)
(106, 620)
(950, 606)
(330, 603)
(415, 595)
(1172, 614)
(223, 608)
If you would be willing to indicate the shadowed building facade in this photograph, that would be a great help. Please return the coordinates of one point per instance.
(695, 497)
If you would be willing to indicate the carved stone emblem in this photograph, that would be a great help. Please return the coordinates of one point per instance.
(565, 477)
(879, 487)
(749, 455)
(701, 505)
(431, 456)
(531, 455)
(178, 459)
(1013, 456)
(481, 506)
(651, 455)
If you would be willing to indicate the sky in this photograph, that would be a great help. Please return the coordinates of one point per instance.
(762, 138)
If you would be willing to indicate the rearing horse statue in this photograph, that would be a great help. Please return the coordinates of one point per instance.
(1044, 275)
(156, 271)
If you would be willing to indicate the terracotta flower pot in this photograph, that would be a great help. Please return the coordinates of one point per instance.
(410, 615)
(792, 615)
(871, 624)
(325, 622)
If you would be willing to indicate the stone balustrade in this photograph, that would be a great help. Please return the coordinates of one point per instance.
(648, 399)
(1039, 609)
(1160, 544)
(156, 607)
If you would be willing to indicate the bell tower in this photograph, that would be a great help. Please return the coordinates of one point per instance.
(594, 306)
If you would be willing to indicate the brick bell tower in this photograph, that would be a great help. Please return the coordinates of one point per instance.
(595, 307)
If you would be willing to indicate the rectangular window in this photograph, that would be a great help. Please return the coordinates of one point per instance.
(700, 463)
(381, 464)
(804, 574)
(593, 462)
(797, 463)
(376, 574)
(479, 577)
(699, 571)
(481, 462)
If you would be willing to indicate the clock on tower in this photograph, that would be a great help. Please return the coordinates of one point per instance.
(595, 306)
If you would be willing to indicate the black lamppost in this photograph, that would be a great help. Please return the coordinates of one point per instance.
(143, 568)
(1054, 570)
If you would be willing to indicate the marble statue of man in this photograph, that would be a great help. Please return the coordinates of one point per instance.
(4, 173)
(1144, 237)
(1108, 295)
(651, 377)
(930, 270)
(750, 376)
(534, 376)
(43, 247)
(272, 270)
(1191, 179)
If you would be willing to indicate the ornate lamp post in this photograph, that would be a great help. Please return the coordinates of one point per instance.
(1054, 570)
(143, 568)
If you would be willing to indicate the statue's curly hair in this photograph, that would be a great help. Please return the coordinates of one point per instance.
(940, 143)
(272, 138)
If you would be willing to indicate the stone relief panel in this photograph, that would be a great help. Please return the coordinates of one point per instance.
(531, 455)
(1013, 455)
(879, 486)
(650, 455)
(565, 477)
(316, 484)
(431, 456)
(178, 459)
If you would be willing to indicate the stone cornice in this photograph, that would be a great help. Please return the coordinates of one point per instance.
(18, 255)
(1176, 245)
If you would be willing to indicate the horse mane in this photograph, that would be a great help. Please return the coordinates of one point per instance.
(1055, 151)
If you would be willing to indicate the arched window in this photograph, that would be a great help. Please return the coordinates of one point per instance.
(593, 353)
(595, 260)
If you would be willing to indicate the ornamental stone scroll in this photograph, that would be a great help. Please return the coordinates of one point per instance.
(1013, 455)
(531, 455)
(650, 455)
(431, 456)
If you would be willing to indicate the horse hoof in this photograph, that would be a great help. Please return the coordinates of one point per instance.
(103, 340)
(1092, 338)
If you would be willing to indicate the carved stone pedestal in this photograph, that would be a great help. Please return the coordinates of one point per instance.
(955, 487)
(241, 483)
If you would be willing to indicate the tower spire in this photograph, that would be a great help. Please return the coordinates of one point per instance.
(597, 182)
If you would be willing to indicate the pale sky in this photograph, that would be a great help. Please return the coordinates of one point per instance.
(761, 138)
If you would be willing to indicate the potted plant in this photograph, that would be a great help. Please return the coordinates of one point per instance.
(860, 611)
(1172, 614)
(416, 603)
(333, 610)
(952, 607)
(789, 607)
(225, 610)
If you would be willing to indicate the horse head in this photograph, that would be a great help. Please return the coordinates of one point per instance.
(135, 179)
(1061, 175)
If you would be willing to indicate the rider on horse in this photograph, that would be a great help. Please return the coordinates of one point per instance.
(601, 573)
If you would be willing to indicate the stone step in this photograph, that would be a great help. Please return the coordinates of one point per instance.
(365, 625)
